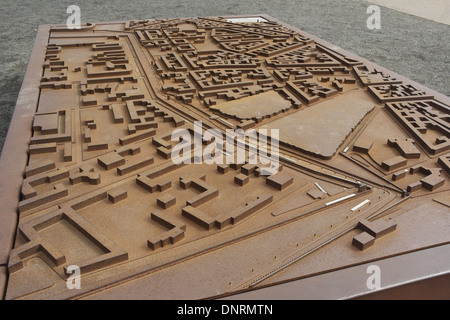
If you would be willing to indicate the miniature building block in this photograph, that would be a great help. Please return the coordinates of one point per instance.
(46, 123)
(399, 175)
(444, 162)
(236, 166)
(164, 184)
(87, 135)
(152, 185)
(131, 149)
(87, 174)
(406, 147)
(245, 125)
(414, 121)
(166, 201)
(198, 217)
(67, 151)
(279, 181)
(241, 179)
(363, 187)
(363, 241)
(208, 192)
(39, 167)
(242, 212)
(140, 135)
(223, 168)
(414, 186)
(91, 124)
(432, 182)
(268, 171)
(97, 146)
(164, 152)
(117, 113)
(362, 146)
(58, 192)
(30, 183)
(111, 160)
(416, 169)
(248, 169)
(130, 167)
(394, 163)
(43, 148)
(67, 213)
(378, 228)
(117, 194)
(172, 236)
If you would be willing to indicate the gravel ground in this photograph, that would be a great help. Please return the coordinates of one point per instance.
(411, 46)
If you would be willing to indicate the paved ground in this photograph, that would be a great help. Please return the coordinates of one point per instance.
(409, 45)
(436, 10)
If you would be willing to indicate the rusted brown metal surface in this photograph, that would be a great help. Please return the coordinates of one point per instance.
(88, 178)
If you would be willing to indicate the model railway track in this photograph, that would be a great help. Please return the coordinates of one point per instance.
(314, 246)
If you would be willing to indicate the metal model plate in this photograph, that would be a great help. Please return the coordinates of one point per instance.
(87, 176)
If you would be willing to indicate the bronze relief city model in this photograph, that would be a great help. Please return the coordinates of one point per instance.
(362, 170)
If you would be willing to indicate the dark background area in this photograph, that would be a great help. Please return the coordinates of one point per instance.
(414, 47)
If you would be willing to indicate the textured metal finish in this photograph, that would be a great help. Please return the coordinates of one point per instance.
(362, 176)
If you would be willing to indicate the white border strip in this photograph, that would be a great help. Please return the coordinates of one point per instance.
(320, 187)
(226, 122)
(249, 19)
(340, 199)
(286, 158)
(360, 205)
